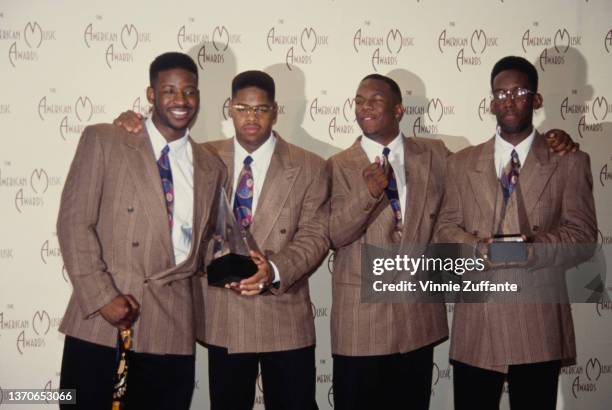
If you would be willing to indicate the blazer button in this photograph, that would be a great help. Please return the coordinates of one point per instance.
(475, 233)
(283, 231)
(432, 216)
(130, 209)
(146, 282)
(135, 244)
(535, 228)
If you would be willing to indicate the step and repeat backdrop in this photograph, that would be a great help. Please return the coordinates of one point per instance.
(68, 64)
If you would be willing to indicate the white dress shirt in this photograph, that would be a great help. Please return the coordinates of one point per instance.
(503, 151)
(259, 167)
(181, 164)
(374, 149)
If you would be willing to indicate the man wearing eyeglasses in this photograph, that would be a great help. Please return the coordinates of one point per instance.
(266, 320)
(512, 184)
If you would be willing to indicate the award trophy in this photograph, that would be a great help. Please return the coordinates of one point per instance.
(231, 245)
(508, 248)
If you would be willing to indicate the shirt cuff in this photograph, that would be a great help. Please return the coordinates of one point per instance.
(276, 274)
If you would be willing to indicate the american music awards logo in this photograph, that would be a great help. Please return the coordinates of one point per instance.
(590, 117)
(438, 375)
(382, 47)
(425, 114)
(340, 117)
(73, 116)
(585, 378)
(118, 43)
(467, 48)
(212, 46)
(30, 186)
(554, 46)
(299, 46)
(31, 334)
(27, 42)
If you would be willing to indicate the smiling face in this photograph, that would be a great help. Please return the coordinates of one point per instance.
(175, 98)
(377, 110)
(252, 125)
(514, 116)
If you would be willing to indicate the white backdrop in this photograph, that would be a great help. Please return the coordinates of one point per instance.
(67, 64)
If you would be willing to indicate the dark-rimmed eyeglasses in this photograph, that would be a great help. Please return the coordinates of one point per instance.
(517, 94)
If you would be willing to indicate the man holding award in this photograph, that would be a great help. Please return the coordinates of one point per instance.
(277, 193)
(503, 197)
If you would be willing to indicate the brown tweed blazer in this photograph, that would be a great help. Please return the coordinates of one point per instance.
(360, 329)
(558, 200)
(290, 227)
(114, 237)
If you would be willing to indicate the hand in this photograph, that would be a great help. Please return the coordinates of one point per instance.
(130, 121)
(560, 142)
(375, 176)
(121, 312)
(257, 283)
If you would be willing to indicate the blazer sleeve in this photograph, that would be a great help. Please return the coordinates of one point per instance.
(351, 207)
(450, 224)
(573, 240)
(310, 243)
(76, 226)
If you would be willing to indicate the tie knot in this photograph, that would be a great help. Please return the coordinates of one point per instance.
(515, 158)
(386, 151)
(165, 150)
(247, 161)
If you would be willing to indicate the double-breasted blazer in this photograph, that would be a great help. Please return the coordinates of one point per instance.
(290, 227)
(358, 219)
(114, 237)
(553, 203)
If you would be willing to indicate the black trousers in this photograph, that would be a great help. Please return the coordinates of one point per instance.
(288, 379)
(156, 382)
(530, 386)
(396, 381)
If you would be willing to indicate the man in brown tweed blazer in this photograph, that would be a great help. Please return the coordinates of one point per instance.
(130, 246)
(381, 350)
(549, 202)
(267, 320)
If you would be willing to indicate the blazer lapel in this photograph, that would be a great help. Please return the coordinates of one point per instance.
(276, 188)
(142, 165)
(417, 163)
(536, 173)
(484, 182)
(205, 181)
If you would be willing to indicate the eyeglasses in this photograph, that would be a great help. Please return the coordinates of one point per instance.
(244, 109)
(517, 94)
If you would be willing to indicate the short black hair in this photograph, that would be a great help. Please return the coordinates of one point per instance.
(168, 61)
(254, 78)
(395, 90)
(518, 64)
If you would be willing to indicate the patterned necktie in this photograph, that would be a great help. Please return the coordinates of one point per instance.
(510, 174)
(393, 194)
(243, 201)
(165, 172)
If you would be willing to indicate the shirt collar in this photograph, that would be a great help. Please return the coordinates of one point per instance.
(374, 149)
(159, 142)
(503, 149)
(261, 155)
